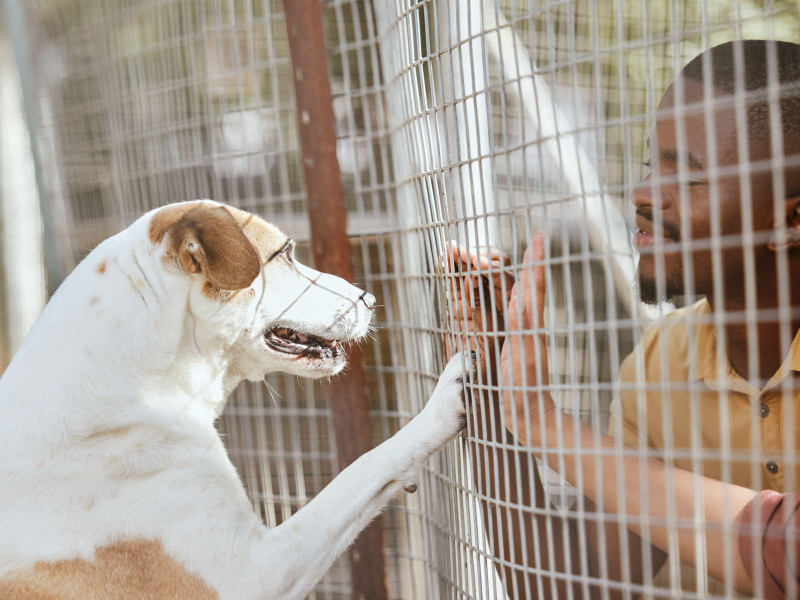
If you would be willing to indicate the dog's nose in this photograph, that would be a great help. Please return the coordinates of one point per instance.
(368, 300)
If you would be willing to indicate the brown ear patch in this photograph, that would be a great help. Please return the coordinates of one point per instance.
(207, 239)
(134, 570)
(166, 217)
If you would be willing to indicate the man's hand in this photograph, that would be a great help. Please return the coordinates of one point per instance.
(523, 360)
(479, 293)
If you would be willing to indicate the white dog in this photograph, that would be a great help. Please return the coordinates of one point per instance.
(113, 480)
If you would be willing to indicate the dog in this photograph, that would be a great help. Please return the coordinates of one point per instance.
(114, 482)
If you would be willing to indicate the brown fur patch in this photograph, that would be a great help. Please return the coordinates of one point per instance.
(135, 570)
(101, 268)
(166, 218)
(114, 432)
(206, 238)
(265, 237)
(176, 222)
(243, 295)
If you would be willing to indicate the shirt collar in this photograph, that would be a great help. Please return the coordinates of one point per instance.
(709, 355)
(702, 328)
(790, 364)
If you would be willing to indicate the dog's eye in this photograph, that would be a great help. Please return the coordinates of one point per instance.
(286, 251)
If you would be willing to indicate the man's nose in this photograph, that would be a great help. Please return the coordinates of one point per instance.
(648, 194)
(642, 194)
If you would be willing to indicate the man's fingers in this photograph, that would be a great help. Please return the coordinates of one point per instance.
(490, 262)
(512, 313)
(485, 265)
(481, 258)
(516, 316)
(461, 296)
(533, 283)
(534, 280)
(485, 256)
(450, 258)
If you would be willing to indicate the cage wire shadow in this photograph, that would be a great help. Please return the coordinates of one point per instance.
(478, 122)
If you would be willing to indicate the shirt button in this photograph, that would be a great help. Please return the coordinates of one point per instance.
(763, 410)
(772, 467)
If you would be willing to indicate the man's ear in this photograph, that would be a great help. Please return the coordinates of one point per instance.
(788, 238)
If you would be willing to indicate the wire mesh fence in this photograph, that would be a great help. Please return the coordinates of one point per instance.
(482, 123)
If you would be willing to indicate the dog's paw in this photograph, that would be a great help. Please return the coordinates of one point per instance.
(442, 418)
(446, 404)
(466, 365)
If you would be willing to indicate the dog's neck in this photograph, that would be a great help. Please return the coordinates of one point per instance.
(136, 352)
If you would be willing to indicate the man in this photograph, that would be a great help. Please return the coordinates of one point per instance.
(718, 375)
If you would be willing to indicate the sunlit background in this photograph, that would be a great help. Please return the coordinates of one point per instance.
(480, 121)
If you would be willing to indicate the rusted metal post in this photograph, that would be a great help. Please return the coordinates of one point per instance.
(330, 248)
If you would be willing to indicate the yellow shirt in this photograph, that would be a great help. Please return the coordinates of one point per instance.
(701, 413)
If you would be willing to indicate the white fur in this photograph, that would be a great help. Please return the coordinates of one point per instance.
(107, 421)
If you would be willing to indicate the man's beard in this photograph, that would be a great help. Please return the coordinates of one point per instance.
(652, 294)
(672, 280)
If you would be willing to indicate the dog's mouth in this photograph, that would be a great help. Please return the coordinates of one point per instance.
(295, 343)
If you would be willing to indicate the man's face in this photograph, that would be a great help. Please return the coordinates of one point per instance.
(680, 208)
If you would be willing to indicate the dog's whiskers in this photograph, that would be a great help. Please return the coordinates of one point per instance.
(272, 393)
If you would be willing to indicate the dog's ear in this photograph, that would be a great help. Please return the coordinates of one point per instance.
(208, 240)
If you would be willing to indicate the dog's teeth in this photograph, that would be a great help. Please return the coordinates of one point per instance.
(309, 342)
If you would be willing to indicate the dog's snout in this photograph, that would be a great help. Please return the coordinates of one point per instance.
(368, 300)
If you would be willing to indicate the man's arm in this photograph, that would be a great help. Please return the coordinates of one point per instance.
(659, 504)
(529, 546)
(537, 549)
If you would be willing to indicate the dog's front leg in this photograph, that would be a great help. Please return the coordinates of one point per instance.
(305, 546)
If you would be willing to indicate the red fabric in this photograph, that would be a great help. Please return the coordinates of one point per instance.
(778, 524)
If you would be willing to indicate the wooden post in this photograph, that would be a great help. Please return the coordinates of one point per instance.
(330, 249)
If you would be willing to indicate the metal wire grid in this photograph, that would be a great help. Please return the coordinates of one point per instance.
(451, 105)
(475, 121)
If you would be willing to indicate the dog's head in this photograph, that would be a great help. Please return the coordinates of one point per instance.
(271, 312)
